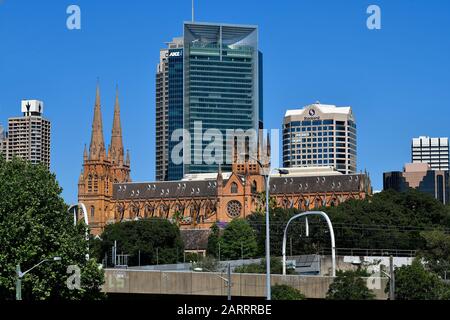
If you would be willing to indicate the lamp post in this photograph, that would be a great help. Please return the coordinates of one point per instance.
(21, 274)
(267, 181)
(227, 280)
(331, 230)
(86, 221)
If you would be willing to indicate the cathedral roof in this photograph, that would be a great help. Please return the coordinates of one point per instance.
(167, 189)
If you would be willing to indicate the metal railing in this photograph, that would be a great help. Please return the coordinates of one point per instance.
(370, 252)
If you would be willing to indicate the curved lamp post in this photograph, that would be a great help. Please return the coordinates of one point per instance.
(21, 274)
(86, 221)
(330, 227)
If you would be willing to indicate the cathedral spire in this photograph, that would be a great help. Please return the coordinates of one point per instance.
(97, 147)
(116, 147)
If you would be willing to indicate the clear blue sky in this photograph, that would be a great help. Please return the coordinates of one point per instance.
(396, 79)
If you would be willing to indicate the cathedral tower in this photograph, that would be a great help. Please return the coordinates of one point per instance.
(101, 170)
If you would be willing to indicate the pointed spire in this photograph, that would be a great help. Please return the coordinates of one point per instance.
(97, 147)
(116, 146)
(127, 162)
(85, 153)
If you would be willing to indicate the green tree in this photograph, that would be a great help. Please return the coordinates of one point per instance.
(414, 282)
(388, 219)
(349, 285)
(157, 240)
(436, 252)
(285, 292)
(34, 225)
(238, 240)
(213, 241)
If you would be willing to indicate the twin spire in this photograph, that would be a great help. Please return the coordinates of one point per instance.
(97, 149)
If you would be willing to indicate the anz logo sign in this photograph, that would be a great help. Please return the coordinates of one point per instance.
(175, 54)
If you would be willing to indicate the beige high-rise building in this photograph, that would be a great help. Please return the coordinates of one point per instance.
(29, 136)
(320, 135)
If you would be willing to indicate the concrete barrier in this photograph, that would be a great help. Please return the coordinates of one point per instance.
(209, 283)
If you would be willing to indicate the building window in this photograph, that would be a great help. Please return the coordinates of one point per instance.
(90, 183)
(234, 208)
(254, 187)
(234, 187)
(92, 211)
(95, 184)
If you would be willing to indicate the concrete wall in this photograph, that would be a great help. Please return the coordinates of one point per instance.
(203, 283)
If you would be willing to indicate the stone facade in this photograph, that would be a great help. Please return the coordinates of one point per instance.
(101, 170)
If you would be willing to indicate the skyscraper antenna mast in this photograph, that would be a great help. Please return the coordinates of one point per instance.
(192, 10)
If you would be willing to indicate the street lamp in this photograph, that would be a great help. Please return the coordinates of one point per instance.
(75, 207)
(267, 181)
(227, 281)
(21, 274)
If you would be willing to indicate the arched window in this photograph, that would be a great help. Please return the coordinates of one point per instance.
(92, 211)
(254, 187)
(234, 187)
(317, 203)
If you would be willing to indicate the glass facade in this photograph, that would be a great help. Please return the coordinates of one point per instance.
(175, 171)
(222, 84)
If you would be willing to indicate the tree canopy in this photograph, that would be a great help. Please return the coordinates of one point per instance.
(349, 285)
(285, 292)
(386, 220)
(157, 240)
(34, 225)
(414, 282)
(238, 240)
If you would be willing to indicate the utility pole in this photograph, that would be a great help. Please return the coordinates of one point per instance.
(229, 281)
(391, 279)
(242, 251)
(18, 283)
(290, 240)
(139, 258)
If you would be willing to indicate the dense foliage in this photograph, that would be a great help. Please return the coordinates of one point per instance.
(387, 220)
(276, 267)
(34, 225)
(213, 241)
(238, 241)
(285, 292)
(350, 285)
(148, 241)
(414, 282)
(436, 253)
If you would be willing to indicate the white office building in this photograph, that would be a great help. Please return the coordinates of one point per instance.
(433, 151)
(28, 136)
(320, 135)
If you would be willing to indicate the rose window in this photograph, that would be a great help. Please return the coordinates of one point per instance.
(234, 208)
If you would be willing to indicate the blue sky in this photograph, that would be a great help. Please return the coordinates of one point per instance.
(397, 79)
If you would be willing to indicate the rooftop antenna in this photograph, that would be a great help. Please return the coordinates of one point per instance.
(192, 10)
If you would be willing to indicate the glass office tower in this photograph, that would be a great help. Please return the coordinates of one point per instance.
(222, 84)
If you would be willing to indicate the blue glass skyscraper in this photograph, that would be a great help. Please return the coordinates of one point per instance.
(214, 78)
